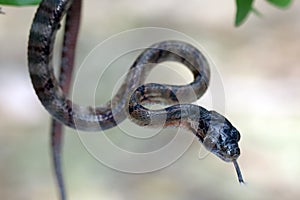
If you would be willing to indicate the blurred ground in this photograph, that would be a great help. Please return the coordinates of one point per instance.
(259, 66)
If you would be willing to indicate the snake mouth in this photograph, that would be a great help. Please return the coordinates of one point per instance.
(229, 155)
(227, 159)
(233, 153)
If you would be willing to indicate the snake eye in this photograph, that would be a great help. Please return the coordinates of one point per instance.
(226, 130)
(209, 143)
(235, 134)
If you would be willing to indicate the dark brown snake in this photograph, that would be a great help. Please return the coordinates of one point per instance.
(66, 68)
(216, 133)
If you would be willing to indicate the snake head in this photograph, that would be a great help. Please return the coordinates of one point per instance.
(222, 138)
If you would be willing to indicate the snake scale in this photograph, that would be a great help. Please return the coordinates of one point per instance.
(217, 134)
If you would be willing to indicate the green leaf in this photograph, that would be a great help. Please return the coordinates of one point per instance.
(19, 2)
(280, 3)
(243, 7)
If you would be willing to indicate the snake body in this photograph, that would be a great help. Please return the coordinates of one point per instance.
(71, 29)
(216, 133)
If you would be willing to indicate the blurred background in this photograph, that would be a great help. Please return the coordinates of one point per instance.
(259, 67)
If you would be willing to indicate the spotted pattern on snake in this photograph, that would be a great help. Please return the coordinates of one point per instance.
(216, 133)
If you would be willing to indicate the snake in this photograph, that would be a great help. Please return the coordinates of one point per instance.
(212, 129)
(71, 30)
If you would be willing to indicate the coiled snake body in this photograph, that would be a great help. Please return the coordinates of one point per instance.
(213, 130)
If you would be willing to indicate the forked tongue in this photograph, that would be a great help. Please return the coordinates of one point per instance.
(238, 171)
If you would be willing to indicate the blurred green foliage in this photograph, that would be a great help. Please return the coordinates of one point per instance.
(244, 7)
(20, 2)
(242, 11)
(280, 3)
